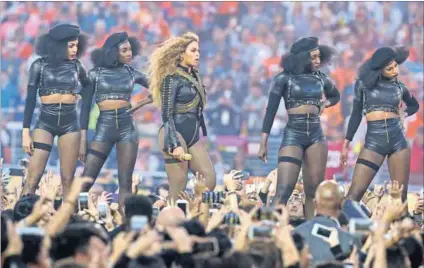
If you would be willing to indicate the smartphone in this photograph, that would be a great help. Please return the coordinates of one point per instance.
(256, 232)
(360, 226)
(138, 223)
(57, 203)
(115, 198)
(213, 197)
(265, 213)
(31, 231)
(321, 231)
(242, 175)
(207, 248)
(17, 172)
(183, 204)
(231, 218)
(83, 201)
(102, 209)
(155, 213)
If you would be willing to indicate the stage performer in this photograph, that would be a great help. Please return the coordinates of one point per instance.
(56, 76)
(306, 92)
(379, 95)
(177, 89)
(111, 83)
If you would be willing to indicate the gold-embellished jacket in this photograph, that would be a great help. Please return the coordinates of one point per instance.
(183, 95)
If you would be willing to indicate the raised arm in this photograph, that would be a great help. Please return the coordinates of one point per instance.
(331, 93)
(141, 78)
(169, 90)
(412, 105)
(82, 74)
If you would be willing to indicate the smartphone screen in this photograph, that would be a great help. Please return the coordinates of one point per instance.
(324, 232)
(183, 205)
(31, 231)
(57, 203)
(138, 223)
(102, 208)
(83, 201)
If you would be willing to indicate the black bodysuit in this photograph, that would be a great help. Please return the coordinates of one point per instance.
(48, 78)
(183, 99)
(115, 83)
(383, 136)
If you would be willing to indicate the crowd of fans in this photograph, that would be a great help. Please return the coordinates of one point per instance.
(241, 46)
(234, 226)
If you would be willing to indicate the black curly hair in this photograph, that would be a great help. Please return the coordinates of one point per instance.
(57, 51)
(108, 58)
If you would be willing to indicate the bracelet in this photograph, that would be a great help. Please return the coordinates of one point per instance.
(231, 192)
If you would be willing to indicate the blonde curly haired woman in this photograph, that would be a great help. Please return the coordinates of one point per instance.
(177, 89)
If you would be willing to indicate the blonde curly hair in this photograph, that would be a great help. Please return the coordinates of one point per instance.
(164, 61)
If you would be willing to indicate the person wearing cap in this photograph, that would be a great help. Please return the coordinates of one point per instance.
(306, 92)
(379, 95)
(178, 90)
(111, 83)
(56, 75)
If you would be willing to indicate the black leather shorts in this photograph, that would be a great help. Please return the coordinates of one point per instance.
(303, 130)
(116, 126)
(58, 119)
(385, 137)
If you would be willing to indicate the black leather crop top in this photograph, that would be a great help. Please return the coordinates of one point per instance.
(115, 83)
(298, 90)
(386, 95)
(47, 78)
(62, 78)
(182, 94)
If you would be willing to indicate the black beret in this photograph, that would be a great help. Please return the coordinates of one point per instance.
(115, 39)
(305, 44)
(63, 32)
(382, 57)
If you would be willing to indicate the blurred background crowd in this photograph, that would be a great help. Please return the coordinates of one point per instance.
(241, 46)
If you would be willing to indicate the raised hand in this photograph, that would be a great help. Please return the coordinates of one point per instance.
(105, 197)
(199, 184)
(282, 218)
(379, 190)
(395, 189)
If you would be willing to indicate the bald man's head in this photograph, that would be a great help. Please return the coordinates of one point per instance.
(328, 196)
(170, 216)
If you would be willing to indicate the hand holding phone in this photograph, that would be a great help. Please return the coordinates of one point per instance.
(260, 232)
(102, 209)
(83, 201)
